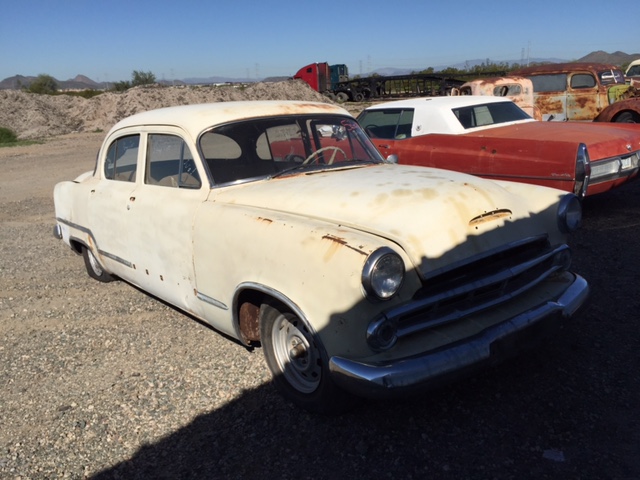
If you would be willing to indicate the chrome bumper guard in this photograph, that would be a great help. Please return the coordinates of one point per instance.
(397, 377)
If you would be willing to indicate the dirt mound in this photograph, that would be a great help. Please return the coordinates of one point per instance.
(36, 116)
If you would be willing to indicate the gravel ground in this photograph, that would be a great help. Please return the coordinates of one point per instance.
(102, 381)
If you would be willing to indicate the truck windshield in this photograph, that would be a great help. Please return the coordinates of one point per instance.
(610, 77)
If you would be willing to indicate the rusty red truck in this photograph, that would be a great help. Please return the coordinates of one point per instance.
(334, 82)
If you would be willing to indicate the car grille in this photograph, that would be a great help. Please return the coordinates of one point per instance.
(479, 285)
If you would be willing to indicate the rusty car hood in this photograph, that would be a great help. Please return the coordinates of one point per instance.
(603, 140)
(436, 216)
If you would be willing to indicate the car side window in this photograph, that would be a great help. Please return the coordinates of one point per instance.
(555, 82)
(507, 90)
(170, 163)
(583, 80)
(122, 159)
(389, 124)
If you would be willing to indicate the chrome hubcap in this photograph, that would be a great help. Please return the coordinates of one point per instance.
(298, 358)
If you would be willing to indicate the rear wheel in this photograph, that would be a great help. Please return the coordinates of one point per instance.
(342, 97)
(628, 117)
(299, 363)
(94, 269)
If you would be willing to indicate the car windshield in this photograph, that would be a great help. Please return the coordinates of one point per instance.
(274, 146)
(489, 114)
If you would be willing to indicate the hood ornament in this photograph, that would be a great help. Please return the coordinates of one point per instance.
(490, 216)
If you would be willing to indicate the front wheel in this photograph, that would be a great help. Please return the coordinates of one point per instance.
(94, 269)
(299, 363)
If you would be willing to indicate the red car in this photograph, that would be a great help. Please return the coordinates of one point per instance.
(494, 138)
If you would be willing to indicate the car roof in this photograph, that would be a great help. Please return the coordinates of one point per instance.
(445, 103)
(198, 117)
(564, 67)
(435, 114)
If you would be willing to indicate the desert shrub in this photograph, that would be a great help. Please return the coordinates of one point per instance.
(43, 84)
(121, 86)
(88, 93)
(7, 136)
(142, 78)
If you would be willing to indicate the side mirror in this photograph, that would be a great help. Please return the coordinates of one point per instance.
(392, 158)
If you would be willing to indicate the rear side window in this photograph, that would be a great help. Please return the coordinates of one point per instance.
(556, 82)
(122, 159)
(489, 114)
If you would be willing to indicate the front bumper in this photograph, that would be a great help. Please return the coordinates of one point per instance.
(401, 376)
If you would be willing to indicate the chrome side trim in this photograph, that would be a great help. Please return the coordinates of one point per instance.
(124, 262)
(211, 301)
(93, 240)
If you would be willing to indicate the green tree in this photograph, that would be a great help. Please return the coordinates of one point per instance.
(44, 84)
(142, 78)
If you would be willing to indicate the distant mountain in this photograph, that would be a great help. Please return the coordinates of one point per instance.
(81, 82)
(214, 80)
(387, 72)
(615, 58)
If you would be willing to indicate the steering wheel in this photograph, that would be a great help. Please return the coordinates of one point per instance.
(324, 149)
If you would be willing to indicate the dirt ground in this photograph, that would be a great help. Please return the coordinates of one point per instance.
(103, 381)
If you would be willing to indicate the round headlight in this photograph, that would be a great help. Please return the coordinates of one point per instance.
(383, 273)
(569, 214)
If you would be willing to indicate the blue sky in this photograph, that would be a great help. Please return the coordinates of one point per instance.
(106, 41)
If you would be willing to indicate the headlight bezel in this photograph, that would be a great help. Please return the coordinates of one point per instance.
(385, 287)
(569, 213)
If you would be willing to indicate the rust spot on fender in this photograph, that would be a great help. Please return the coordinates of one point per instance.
(265, 220)
(341, 242)
(248, 317)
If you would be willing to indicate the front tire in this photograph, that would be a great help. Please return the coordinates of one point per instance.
(94, 269)
(299, 363)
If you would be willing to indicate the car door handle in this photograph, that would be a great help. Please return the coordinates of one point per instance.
(383, 146)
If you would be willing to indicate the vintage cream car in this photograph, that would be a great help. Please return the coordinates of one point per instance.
(279, 224)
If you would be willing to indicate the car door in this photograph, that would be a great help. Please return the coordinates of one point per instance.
(108, 202)
(160, 215)
(583, 102)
